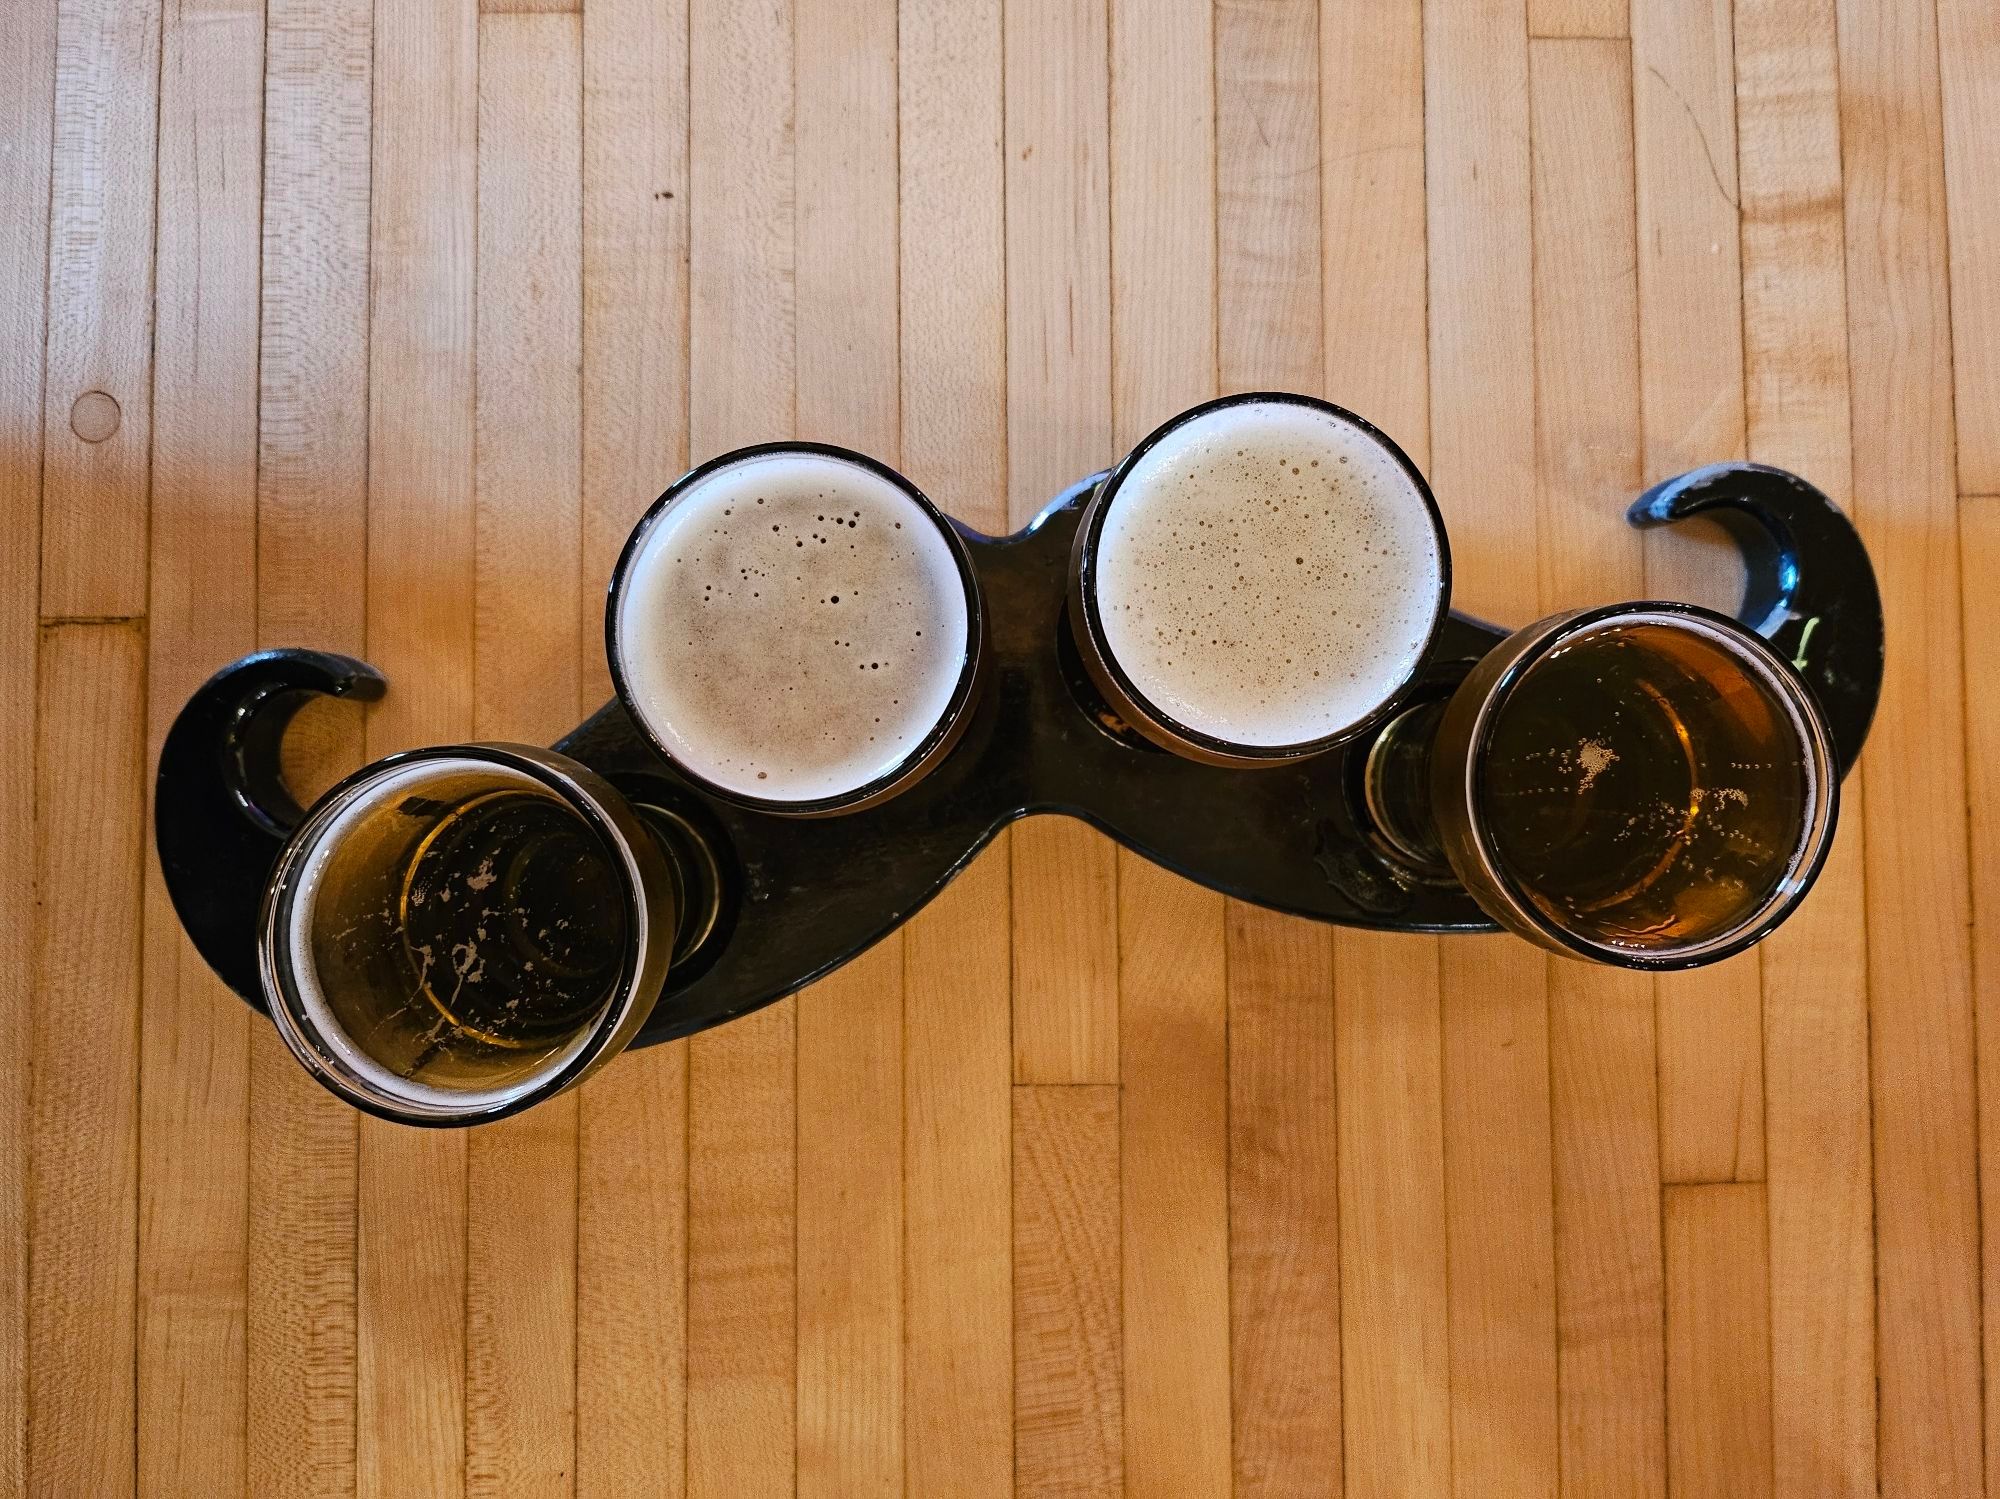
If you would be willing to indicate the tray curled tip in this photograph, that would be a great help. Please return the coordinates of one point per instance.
(221, 812)
(1810, 589)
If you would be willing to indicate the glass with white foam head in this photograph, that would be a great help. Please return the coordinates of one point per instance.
(456, 933)
(797, 629)
(1259, 580)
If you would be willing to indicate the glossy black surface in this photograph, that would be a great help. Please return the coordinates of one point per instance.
(800, 897)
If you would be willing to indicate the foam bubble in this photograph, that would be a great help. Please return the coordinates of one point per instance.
(1267, 574)
(792, 627)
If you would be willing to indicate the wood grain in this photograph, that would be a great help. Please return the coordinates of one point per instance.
(1174, 1184)
(1059, 429)
(1919, 963)
(742, 1256)
(27, 91)
(1579, 19)
(194, 1033)
(312, 498)
(1284, 1218)
(83, 1056)
(521, 1174)
(1498, 1195)
(100, 308)
(742, 1379)
(631, 1276)
(1394, 1338)
(1718, 1341)
(1602, 1046)
(850, 1027)
(1284, 1253)
(1968, 52)
(1820, 1203)
(410, 1274)
(958, 1152)
(1979, 538)
(958, 1311)
(1691, 387)
(1173, 1004)
(1068, 1437)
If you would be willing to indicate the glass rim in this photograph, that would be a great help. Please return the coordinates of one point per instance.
(1782, 683)
(941, 735)
(629, 998)
(1083, 590)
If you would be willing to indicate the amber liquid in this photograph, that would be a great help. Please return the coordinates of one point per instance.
(1645, 788)
(466, 933)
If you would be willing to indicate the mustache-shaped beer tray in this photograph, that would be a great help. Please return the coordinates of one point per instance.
(775, 902)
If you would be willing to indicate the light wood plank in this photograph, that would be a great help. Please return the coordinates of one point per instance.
(850, 1228)
(1711, 1039)
(1284, 1219)
(741, 1359)
(1579, 19)
(1371, 188)
(1498, 1193)
(1718, 1341)
(83, 1055)
(1969, 64)
(958, 1358)
(1058, 268)
(27, 91)
(1919, 962)
(1979, 533)
(311, 588)
(1267, 143)
(1174, 1184)
(635, 286)
(1602, 1047)
(1283, 1202)
(742, 1381)
(1394, 1389)
(411, 1185)
(1690, 280)
(850, 1026)
(194, 1033)
(1691, 384)
(631, 1278)
(521, 1174)
(1821, 1223)
(98, 391)
(1394, 1308)
(1067, 1378)
(631, 1333)
(1499, 1217)
(1173, 1017)
(953, 244)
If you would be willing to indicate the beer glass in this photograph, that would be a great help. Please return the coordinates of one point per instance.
(1259, 580)
(456, 933)
(797, 629)
(1644, 784)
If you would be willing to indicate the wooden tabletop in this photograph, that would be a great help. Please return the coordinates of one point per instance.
(374, 326)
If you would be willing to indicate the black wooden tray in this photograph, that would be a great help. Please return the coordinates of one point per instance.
(796, 898)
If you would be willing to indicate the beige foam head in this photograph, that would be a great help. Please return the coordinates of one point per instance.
(792, 626)
(1268, 574)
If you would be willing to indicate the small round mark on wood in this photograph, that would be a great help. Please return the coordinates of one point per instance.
(95, 416)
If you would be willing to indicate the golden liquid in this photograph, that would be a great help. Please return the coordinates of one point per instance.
(467, 930)
(1644, 788)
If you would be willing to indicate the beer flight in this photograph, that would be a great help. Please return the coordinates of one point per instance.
(799, 631)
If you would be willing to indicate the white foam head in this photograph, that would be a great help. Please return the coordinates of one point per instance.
(367, 801)
(1267, 574)
(792, 626)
